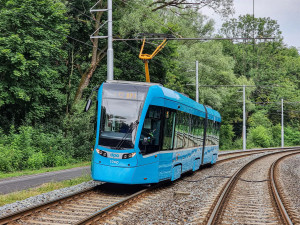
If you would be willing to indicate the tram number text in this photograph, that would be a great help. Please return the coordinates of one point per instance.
(114, 155)
(114, 162)
(128, 95)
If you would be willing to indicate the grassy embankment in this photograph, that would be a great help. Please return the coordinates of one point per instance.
(21, 195)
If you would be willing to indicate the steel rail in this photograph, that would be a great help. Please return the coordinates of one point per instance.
(275, 191)
(227, 188)
(241, 154)
(37, 208)
(237, 157)
(101, 213)
(224, 153)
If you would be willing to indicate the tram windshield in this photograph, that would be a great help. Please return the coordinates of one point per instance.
(120, 112)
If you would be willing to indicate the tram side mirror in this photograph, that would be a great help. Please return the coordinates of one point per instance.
(145, 141)
(88, 105)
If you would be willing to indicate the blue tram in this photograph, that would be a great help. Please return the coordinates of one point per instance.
(147, 133)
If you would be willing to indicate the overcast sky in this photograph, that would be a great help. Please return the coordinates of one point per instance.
(286, 12)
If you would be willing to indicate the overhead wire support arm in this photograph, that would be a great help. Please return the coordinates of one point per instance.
(109, 37)
(97, 10)
(101, 37)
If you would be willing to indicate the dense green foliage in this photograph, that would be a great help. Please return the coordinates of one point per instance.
(45, 50)
(31, 58)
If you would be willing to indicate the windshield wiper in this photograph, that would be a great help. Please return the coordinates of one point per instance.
(134, 125)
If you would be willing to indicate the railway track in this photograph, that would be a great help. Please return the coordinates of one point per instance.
(227, 156)
(224, 157)
(90, 206)
(291, 215)
(248, 196)
(78, 208)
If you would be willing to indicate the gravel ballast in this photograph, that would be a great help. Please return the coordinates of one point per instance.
(183, 201)
(46, 197)
(289, 178)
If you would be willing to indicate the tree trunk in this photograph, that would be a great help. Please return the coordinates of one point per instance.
(97, 56)
(87, 75)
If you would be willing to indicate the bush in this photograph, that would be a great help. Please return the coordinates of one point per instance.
(36, 160)
(259, 118)
(33, 148)
(291, 136)
(5, 160)
(226, 136)
(61, 160)
(237, 144)
(10, 159)
(41, 146)
(80, 130)
(259, 137)
(276, 134)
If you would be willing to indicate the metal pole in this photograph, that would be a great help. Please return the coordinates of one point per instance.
(110, 51)
(282, 127)
(244, 117)
(197, 83)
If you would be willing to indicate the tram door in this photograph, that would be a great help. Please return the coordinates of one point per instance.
(166, 156)
(149, 142)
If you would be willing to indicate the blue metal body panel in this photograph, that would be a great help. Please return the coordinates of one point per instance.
(158, 166)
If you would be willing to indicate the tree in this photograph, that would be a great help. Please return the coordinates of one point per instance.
(32, 60)
(224, 7)
(248, 27)
(272, 67)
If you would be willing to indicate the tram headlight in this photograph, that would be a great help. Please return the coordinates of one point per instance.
(100, 152)
(127, 156)
(132, 155)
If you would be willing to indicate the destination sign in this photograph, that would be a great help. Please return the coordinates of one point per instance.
(127, 95)
(126, 92)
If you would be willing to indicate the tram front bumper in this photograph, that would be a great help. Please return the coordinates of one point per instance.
(125, 175)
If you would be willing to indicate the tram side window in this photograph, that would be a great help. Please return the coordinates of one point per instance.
(186, 129)
(193, 134)
(169, 128)
(212, 133)
(209, 133)
(198, 126)
(218, 128)
(215, 134)
(218, 124)
(184, 125)
(193, 122)
(182, 131)
(150, 136)
(201, 129)
(179, 141)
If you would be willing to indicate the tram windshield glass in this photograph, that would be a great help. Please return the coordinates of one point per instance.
(120, 111)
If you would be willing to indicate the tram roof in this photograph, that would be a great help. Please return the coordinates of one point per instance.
(132, 83)
(170, 94)
(176, 96)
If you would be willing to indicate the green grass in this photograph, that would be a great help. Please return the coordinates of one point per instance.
(43, 170)
(21, 195)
